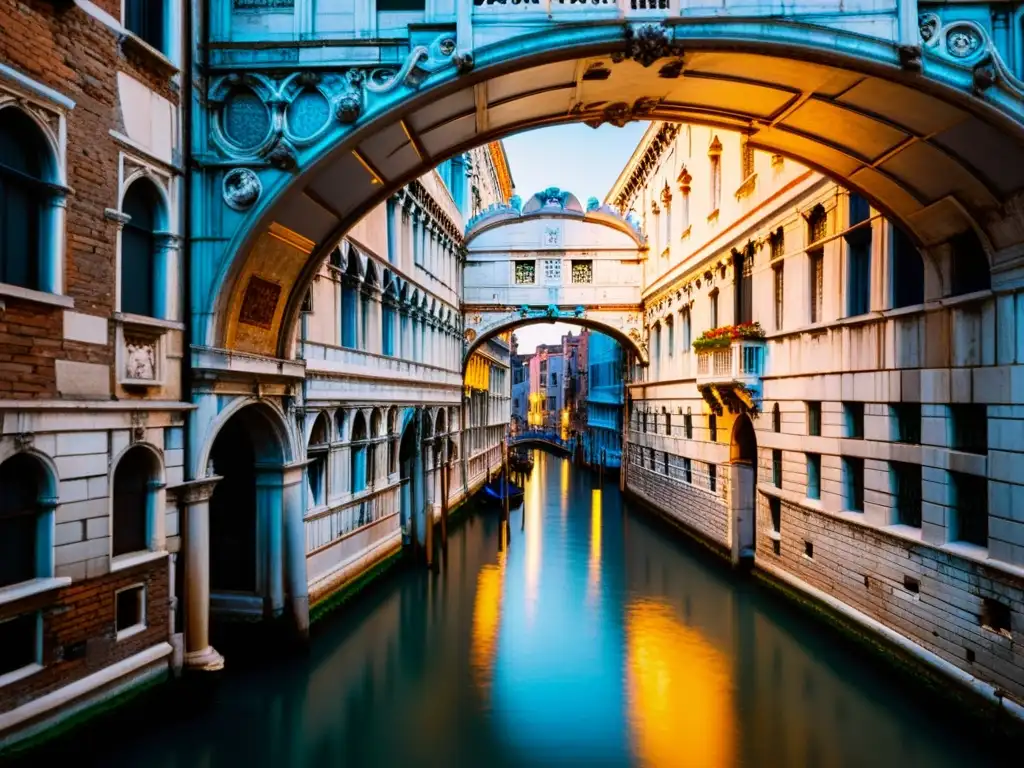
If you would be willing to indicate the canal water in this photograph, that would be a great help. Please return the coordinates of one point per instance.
(588, 635)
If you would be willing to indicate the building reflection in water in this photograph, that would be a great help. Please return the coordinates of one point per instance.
(674, 663)
(486, 621)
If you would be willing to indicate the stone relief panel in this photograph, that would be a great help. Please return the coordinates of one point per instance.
(259, 303)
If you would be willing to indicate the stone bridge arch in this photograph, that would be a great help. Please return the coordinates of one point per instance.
(919, 114)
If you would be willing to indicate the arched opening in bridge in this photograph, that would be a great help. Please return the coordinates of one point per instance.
(742, 502)
(245, 506)
(912, 139)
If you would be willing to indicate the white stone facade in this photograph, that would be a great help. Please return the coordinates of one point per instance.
(887, 420)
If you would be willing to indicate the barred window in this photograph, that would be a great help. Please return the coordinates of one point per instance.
(583, 271)
(526, 272)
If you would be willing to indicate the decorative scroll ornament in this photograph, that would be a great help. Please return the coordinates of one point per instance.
(968, 44)
(241, 189)
(648, 43)
(422, 62)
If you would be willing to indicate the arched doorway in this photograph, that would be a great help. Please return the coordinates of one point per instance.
(240, 510)
(742, 500)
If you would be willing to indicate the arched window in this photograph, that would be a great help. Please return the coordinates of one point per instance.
(392, 438)
(375, 433)
(358, 452)
(24, 194)
(135, 482)
(316, 471)
(23, 490)
(139, 275)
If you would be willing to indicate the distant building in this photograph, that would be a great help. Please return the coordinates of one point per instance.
(604, 397)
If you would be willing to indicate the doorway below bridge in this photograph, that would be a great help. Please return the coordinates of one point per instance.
(743, 519)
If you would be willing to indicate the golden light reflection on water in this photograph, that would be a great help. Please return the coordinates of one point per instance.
(486, 623)
(532, 511)
(594, 564)
(679, 689)
(564, 492)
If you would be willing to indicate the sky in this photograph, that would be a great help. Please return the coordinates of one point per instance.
(578, 158)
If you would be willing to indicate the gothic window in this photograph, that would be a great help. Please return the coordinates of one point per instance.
(858, 257)
(23, 490)
(145, 19)
(685, 180)
(743, 285)
(684, 323)
(135, 485)
(23, 195)
(358, 453)
(907, 270)
(688, 425)
(139, 275)
(526, 272)
(387, 323)
(746, 159)
(715, 162)
(671, 329)
(779, 292)
(816, 231)
(776, 418)
(712, 427)
(714, 309)
(316, 470)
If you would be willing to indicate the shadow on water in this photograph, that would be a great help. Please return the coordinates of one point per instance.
(590, 635)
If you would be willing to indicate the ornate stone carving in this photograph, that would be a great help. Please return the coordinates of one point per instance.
(241, 188)
(23, 441)
(140, 358)
(985, 75)
(968, 44)
(282, 157)
(259, 303)
(962, 41)
(620, 113)
(910, 57)
(648, 43)
(672, 70)
(138, 430)
(464, 62)
(348, 108)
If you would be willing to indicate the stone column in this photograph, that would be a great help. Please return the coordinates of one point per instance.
(269, 516)
(295, 579)
(166, 272)
(193, 500)
(418, 495)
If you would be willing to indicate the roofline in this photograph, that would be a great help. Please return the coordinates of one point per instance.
(652, 129)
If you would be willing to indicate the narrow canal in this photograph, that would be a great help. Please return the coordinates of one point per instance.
(595, 637)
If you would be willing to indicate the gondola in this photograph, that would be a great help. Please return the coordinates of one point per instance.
(521, 461)
(494, 491)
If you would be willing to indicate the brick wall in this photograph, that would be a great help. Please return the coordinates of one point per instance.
(79, 622)
(60, 46)
(865, 568)
(699, 510)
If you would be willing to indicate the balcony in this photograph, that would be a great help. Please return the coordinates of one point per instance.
(742, 362)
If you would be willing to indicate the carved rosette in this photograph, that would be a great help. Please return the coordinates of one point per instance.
(241, 188)
(348, 108)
